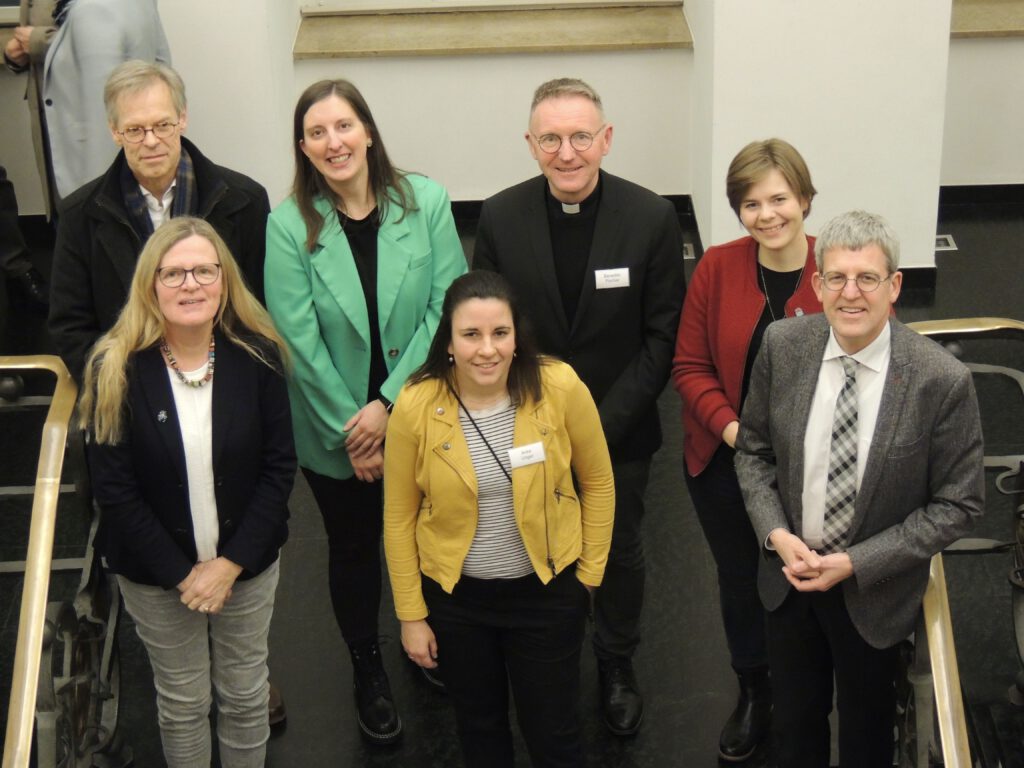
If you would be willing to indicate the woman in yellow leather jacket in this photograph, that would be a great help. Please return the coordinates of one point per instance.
(492, 548)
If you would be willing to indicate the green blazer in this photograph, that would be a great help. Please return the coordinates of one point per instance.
(317, 303)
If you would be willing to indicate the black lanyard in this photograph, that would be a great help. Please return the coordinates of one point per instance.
(476, 426)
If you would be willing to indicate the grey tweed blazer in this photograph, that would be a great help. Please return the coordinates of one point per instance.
(922, 488)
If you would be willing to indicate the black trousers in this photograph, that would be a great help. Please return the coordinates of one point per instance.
(495, 632)
(810, 639)
(353, 514)
(716, 497)
(620, 600)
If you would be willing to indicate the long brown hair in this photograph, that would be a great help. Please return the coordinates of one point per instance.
(387, 183)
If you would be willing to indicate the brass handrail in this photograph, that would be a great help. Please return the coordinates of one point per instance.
(967, 327)
(938, 622)
(32, 620)
(949, 700)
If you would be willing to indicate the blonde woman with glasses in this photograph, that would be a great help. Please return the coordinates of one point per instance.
(192, 462)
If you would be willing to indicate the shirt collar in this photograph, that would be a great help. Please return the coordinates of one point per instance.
(873, 356)
(158, 206)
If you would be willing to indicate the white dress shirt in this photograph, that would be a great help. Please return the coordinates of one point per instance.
(873, 365)
(159, 210)
(195, 415)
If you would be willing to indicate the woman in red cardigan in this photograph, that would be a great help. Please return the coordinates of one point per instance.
(738, 289)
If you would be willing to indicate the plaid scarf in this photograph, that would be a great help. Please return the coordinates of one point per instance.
(185, 203)
(60, 11)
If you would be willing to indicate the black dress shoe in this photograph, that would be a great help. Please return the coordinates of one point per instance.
(278, 714)
(375, 708)
(749, 722)
(621, 702)
(34, 286)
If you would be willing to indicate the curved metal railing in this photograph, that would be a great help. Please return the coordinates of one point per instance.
(32, 620)
(949, 710)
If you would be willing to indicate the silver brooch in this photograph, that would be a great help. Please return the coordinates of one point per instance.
(161, 417)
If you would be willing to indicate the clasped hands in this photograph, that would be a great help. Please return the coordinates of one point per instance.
(365, 441)
(804, 568)
(208, 585)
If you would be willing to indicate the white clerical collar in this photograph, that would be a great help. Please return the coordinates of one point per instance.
(873, 356)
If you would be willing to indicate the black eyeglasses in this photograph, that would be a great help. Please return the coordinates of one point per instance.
(581, 141)
(174, 277)
(135, 134)
(867, 282)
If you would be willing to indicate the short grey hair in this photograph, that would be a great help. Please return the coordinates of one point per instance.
(135, 76)
(854, 230)
(563, 87)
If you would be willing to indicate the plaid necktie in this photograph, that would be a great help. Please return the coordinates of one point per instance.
(841, 490)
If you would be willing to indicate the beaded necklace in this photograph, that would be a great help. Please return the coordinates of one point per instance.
(210, 362)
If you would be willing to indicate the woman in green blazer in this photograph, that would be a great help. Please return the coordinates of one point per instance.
(358, 261)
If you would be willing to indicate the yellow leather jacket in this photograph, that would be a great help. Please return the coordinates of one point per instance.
(430, 491)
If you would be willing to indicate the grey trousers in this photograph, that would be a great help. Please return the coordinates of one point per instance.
(196, 656)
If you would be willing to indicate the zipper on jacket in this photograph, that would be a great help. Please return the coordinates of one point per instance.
(547, 532)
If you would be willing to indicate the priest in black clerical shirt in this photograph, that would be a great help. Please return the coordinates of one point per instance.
(597, 262)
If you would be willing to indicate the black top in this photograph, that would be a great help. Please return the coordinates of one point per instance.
(571, 237)
(362, 239)
(781, 286)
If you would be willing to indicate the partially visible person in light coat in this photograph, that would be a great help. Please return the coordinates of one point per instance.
(69, 47)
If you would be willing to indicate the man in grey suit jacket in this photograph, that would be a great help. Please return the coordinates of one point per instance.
(899, 427)
(597, 263)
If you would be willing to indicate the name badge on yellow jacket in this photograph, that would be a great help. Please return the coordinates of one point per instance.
(526, 454)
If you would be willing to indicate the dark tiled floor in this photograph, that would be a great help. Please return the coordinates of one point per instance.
(682, 664)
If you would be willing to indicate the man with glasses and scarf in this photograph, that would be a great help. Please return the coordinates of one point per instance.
(158, 174)
(597, 262)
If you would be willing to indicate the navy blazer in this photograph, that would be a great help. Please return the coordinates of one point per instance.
(622, 340)
(141, 485)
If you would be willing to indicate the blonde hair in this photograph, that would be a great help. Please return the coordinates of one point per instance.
(140, 326)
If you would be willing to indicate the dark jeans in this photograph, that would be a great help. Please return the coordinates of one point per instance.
(353, 514)
(619, 601)
(719, 504)
(493, 632)
(810, 638)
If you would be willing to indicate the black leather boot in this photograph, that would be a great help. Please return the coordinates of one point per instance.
(378, 718)
(621, 702)
(749, 722)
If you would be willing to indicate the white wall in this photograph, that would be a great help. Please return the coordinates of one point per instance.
(857, 88)
(984, 121)
(235, 58)
(461, 119)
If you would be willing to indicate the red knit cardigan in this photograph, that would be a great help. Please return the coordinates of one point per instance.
(723, 304)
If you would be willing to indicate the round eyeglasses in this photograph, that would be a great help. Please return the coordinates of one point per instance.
(174, 277)
(867, 282)
(135, 134)
(581, 141)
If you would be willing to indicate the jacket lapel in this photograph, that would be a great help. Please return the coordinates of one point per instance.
(334, 262)
(897, 382)
(605, 252)
(160, 410)
(225, 392)
(534, 223)
(530, 428)
(450, 444)
(805, 381)
(393, 257)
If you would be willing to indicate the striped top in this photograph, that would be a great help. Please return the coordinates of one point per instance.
(497, 551)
